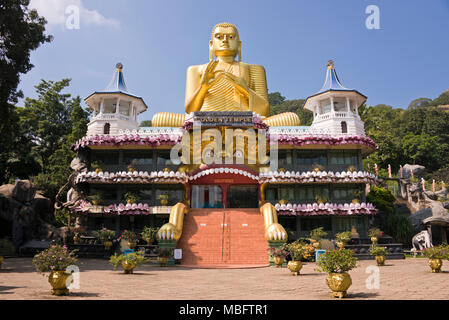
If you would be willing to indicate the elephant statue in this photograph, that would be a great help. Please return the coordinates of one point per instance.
(422, 240)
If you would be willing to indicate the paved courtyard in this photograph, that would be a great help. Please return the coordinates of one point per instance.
(399, 279)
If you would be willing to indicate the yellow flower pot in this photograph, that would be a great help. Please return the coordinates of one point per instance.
(294, 267)
(164, 202)
(339, 284)
(316, 245)
(76, 239)
(58, 282)
(435, 265)
(149, 241)
(380, 260)
(107, 245)
(278, 261)
(132, 245)
(128, 267)
(162, 261)
(374, 240)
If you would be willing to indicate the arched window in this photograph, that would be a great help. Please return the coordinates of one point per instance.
(344, 127)
(107, 128)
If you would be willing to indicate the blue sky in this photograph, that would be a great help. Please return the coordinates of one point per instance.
(407, 58)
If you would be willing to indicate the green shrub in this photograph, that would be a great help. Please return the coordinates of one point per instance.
(399, 227)
(378, 251)
(438, 252)
(336, 261)
(55, 258)
(343, 236)
(134, 258)
(381, 198)
(317, 234)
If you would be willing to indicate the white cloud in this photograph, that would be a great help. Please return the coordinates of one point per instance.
(54, 12)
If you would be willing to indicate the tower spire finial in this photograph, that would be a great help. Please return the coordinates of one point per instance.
(119, 66)
(330, 64)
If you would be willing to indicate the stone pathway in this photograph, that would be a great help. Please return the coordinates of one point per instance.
(399, 279)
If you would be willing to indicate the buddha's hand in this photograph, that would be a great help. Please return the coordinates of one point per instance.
(167, 232)
(276, 232)
(209, 74)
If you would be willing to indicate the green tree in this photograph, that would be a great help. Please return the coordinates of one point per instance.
(275, 98)
(21, 31)
(145, 123)
(424, 149)
(47, 119)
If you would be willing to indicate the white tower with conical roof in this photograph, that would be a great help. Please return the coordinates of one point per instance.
(115, 108)
(335, 108)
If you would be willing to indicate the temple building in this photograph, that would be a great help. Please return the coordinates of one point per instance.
(229, 201)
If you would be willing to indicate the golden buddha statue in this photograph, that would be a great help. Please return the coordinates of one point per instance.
(225, 84)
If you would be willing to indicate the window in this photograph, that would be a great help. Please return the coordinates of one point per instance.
(108, 193)
(106, 128)
(105, 157)
(346, 157)
(243, 197)
(206, 196)
(281, 192)
(163, 158)
(344, 127)
(325, 106)
(311, 194)
(124, 108)
(310, 223)
(175, 194)
(109, 105)
(340, 105)
(307, 159)
(285, 159)
(141, 158)
(346, 194)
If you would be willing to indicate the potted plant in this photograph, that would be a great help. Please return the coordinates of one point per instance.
(131, 197)
(357, 195)
(298, 251)
(163, 255)
(352, 168)
(96, 199)
(128, 262)
(436, 256)
(130, 237)
(163, 198)
(374, 234)
(283, 201)
(343, 238)
(96, 166)
(106, 236)
(278, 255)
(316, 235)
(380, 254)
(149, 233)
(55, 260)
(77, 232)
(337, 263)
(132, 167)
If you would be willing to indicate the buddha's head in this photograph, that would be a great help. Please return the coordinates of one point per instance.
(225, 41)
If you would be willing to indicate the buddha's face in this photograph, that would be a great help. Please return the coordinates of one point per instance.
(224, 42)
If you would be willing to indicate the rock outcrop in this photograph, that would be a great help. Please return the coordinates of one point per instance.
(30, 212)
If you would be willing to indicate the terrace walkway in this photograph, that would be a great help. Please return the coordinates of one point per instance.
(399, 279)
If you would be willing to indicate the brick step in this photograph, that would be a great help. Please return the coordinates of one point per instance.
(206, 241)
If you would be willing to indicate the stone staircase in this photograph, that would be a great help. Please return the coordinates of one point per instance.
(223, 237)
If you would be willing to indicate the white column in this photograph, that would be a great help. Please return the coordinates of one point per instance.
(332, 105)
(117, 106)
(102, 106)
(348, 104)
(314, 112)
